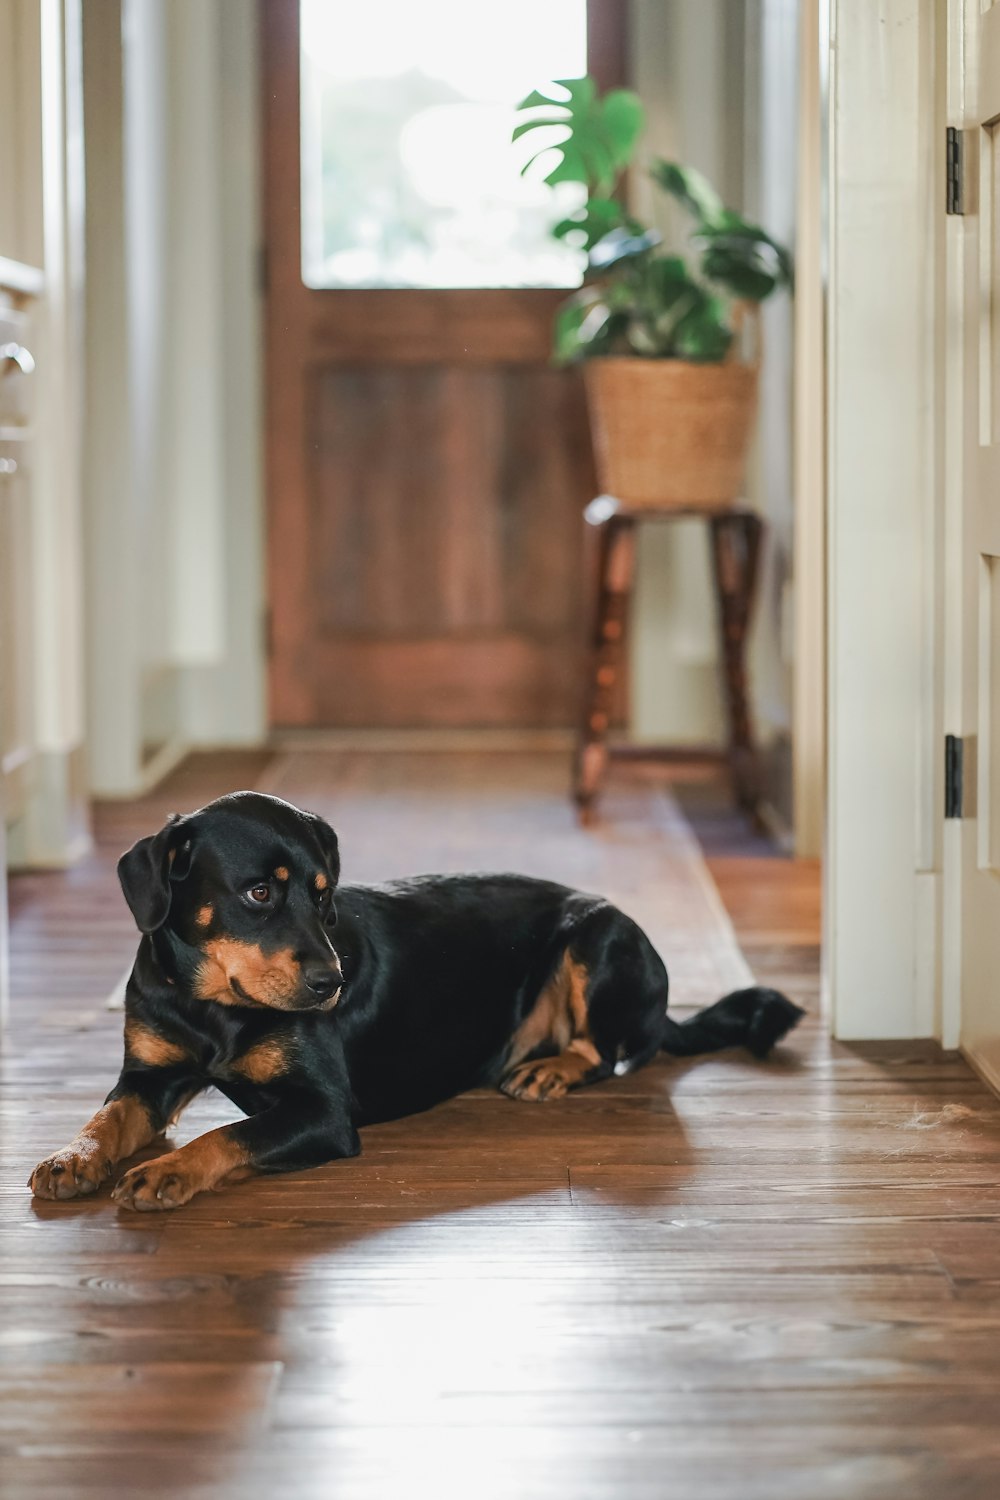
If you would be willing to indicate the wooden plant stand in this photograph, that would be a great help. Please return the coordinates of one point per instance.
(735, 542)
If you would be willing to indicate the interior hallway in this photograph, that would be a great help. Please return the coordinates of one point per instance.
(721, 1278)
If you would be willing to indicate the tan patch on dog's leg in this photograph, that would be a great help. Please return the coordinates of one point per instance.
(559, 1015)
(171, 1180)
(149, 1047)
(548, 1020)
(116, 1131)
(263, 1062)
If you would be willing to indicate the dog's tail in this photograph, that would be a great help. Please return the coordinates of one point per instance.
(755, 1018)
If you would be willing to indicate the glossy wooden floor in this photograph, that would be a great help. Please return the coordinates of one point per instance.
(723, 1279)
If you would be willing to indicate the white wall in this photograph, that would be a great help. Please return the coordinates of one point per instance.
(687, 65)
(175, 640)
(719, 83)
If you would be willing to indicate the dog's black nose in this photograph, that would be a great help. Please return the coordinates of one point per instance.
(322, 980)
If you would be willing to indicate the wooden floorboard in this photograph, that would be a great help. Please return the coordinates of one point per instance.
(721, 1278)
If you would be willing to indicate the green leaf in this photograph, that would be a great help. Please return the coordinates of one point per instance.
(669, 279)
(621, 245)
(601, 133)
(702, 334)
(643, 338)
(568, 322)
(606, 338)
(572, 165)
(535, 100)
(527, 125)
(593, 221)
(745, 259)
(742, 275)
(624, 117)
(690, 189)
(582, 91)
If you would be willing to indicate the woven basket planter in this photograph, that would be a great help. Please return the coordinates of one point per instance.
(668, 433)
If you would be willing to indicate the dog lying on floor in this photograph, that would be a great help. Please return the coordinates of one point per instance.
(316, 1019)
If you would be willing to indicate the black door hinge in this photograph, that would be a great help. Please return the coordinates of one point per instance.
(953, 172)
(953, 767)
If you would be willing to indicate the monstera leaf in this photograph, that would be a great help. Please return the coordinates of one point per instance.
(587, 323)
(745, 259)
(593, 221)
(702, 334)
(621, 244)
(738, 255)
(690, 189)
(601, 132)
(638, 300)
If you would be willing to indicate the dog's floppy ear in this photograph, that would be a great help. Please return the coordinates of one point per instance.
(328, 843)
(146, 870)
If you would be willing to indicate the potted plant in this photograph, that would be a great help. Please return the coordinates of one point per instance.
(672, 396)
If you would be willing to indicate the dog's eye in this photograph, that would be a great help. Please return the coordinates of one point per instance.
(259, 893)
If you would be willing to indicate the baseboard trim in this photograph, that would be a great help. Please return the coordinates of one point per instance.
(441, 740)
(986, 1068)
(163, 760)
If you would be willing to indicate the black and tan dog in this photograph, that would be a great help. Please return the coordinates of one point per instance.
(316, 1019)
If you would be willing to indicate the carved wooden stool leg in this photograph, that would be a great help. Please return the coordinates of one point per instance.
(736, 538)
(615, 537)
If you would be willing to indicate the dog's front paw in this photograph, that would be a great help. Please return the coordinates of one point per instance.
(156, 1185)
(75, 1172)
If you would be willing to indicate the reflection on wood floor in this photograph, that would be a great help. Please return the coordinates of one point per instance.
(719, 1278)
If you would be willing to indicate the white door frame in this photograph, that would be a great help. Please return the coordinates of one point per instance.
(962, 1018)
(885, 475)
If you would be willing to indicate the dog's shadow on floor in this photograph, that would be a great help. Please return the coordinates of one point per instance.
(476, 1248)
(476, 1156)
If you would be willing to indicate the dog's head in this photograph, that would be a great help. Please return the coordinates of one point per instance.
(248, 883)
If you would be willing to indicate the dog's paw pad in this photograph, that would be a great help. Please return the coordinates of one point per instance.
(71, 1173)
(153, 1187)
(537, 1081)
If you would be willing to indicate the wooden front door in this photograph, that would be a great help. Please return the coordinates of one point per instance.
(427, 469)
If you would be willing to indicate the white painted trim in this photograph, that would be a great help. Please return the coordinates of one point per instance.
(52, 831)
(809, 444)
(881, 920)
(953, 490)
(987, 1066)
(26, 281)
(154, 770)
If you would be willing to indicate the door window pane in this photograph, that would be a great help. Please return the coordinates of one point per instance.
(409, 177)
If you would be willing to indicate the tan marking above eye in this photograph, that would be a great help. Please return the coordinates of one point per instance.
(262, 1062)
(267, 978)
(320, 881)
(281, 873)
(205, 914)
(149, 1047)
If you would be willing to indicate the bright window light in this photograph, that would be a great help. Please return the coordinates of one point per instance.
(409, 177)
